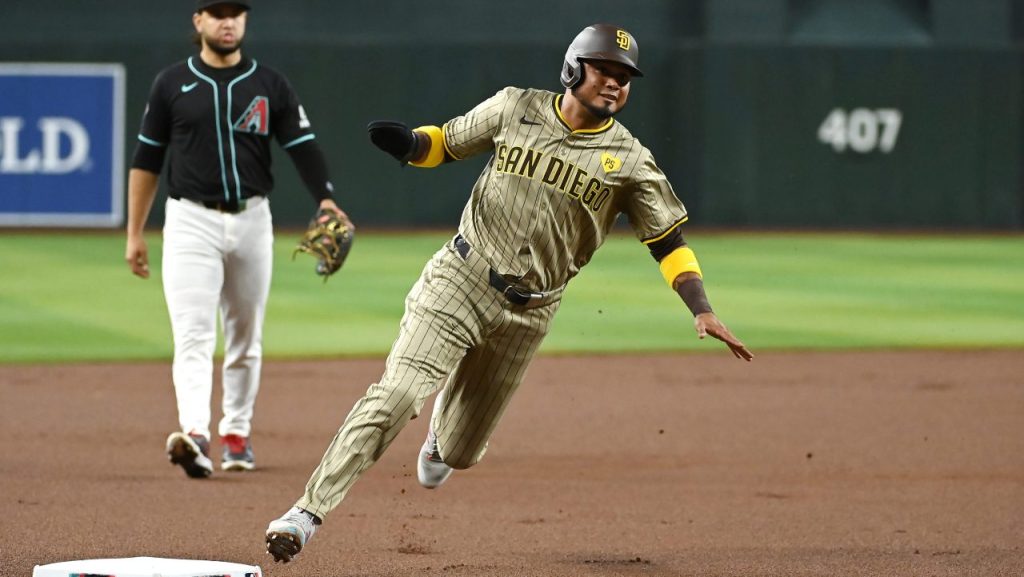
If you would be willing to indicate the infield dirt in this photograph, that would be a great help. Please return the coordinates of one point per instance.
(798, 464)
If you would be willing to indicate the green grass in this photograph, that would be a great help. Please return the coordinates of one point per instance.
(70, 297)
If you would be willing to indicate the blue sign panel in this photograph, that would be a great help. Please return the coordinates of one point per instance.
(61, 144)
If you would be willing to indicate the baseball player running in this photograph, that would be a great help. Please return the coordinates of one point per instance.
(216, 113)
(560, 173)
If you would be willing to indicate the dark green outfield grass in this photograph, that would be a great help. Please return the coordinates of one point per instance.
(70, 297)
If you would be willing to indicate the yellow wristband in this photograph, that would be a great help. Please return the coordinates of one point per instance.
(679, 261)
(435, 155)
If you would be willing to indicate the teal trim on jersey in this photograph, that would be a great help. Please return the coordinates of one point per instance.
(231, 132)
(151, 142)
(299, 140)
(216, 114)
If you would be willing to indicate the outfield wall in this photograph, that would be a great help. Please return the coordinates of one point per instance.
(795, 113)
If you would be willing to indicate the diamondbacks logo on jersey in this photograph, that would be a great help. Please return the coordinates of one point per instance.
(609, 163)
(256, 118)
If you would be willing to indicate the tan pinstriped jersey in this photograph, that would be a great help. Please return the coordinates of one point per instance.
(549, 196)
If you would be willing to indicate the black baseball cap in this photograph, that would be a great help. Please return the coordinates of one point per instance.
(204, 4)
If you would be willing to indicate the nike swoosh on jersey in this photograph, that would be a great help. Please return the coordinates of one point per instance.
(523, 120)
(189, 87)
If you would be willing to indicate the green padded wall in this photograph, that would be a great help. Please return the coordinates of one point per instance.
(734, 97)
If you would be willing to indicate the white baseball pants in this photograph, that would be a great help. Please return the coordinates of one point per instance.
(217, 261)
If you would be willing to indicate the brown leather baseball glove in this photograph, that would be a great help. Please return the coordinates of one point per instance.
(328, 239)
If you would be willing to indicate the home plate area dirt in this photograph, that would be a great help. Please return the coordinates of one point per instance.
(853, 463)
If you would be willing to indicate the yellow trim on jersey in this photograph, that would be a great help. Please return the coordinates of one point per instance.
(677, 262)
(558, 111)
(435, 154)
(664, 234)
(445, 141)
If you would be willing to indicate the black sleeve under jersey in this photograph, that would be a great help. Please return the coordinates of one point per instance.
(664, 247)
(312, 167)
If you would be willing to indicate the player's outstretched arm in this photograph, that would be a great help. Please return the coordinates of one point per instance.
(681, 270)
(690, 287)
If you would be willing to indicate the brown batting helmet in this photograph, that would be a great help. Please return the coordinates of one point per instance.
(599, 42)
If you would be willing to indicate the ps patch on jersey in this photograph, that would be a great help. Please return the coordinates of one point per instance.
(609, 163)
(256, 118)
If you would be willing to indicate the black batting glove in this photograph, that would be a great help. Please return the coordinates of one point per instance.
(394, 138)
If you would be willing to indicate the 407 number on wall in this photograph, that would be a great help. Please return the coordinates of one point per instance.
(861, 130)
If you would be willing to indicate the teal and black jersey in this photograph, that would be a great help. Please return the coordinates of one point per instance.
(218, 124)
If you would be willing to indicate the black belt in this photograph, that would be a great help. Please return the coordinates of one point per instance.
(232, 207)
(511, 293)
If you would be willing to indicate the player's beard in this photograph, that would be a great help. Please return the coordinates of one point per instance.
(599, 112)
(222, 48)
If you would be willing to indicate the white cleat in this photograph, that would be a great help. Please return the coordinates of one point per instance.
(288, 534)
(430, 468)
(191, 452)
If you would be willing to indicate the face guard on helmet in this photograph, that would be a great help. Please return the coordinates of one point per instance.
(599, 42)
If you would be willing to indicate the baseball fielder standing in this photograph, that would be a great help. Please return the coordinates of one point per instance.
(560, 173)
(216, 114)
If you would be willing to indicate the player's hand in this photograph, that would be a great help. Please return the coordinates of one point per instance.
(708, 324)
(329, 204)
(136, 254)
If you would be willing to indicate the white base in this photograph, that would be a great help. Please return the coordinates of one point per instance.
(146, 567)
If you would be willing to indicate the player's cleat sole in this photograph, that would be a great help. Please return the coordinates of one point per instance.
(282, 546)
(288, 534)
(191, 453)
(236, 466)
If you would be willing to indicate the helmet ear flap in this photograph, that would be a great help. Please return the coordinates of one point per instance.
(572, 75)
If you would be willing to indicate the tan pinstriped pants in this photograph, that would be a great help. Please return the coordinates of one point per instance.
(456, 327)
